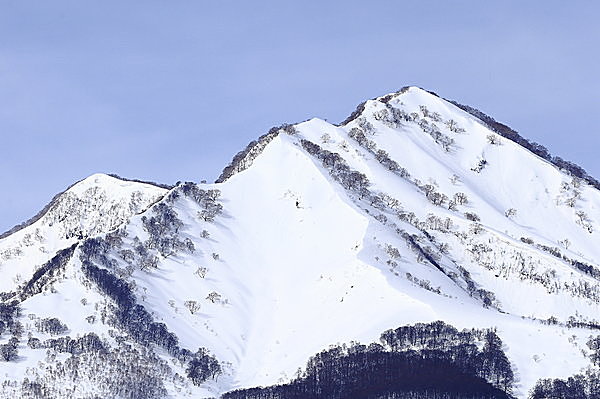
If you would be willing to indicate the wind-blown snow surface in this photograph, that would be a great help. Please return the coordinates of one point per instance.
(300, 258)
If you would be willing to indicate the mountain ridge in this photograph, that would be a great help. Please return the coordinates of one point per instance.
(498, 127)
(55, 198)
(90, 206)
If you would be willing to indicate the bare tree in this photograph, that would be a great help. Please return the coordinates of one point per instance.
(201, 271)
(192, 306)
(510, 212)
(214, 297)
(493, 139)
(565, 243)
(461, 198)
(452, 205)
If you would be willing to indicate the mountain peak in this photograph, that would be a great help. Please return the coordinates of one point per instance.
(94, 205)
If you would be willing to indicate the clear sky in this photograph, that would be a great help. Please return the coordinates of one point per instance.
(171, 90)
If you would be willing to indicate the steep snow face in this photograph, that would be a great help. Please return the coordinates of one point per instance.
(537, 227)
(505, 229)
(94, 205)
(412, 211)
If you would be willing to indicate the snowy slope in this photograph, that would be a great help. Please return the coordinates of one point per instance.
(411, 211)
(94, 205)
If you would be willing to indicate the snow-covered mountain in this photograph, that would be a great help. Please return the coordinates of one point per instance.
(95, 205)
(413, 210)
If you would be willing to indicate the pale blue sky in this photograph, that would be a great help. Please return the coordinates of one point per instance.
(171, 90)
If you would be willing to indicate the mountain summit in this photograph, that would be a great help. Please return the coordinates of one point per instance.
(418, 238)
